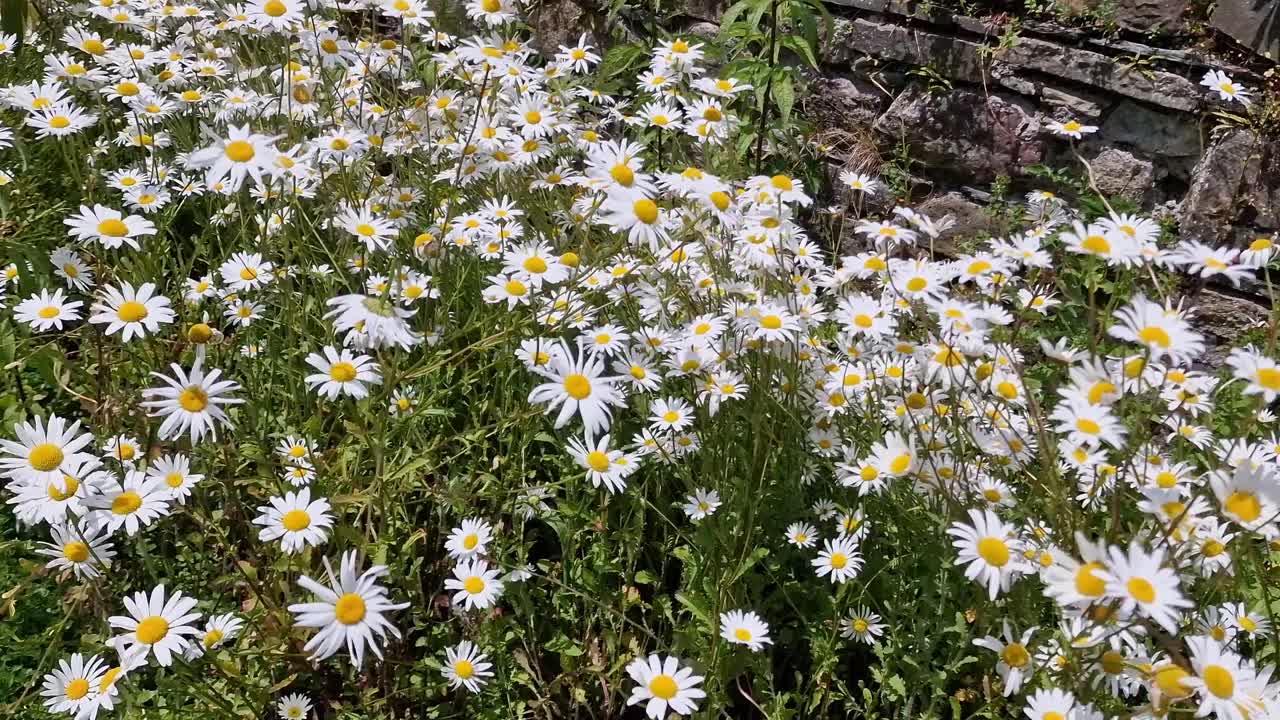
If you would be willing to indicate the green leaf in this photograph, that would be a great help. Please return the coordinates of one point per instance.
(699, 610)
(802, 48)
(757, 12)
(784, 94)
(732, 14)
(564, 646)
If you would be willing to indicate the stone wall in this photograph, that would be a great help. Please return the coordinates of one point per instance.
(978, 112)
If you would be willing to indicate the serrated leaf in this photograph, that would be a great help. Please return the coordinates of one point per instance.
(699, 611)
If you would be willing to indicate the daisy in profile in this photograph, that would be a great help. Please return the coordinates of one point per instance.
(1015, 663)
(299, 475)
(1248, 497)
(294, 707)
(157, 625)
(1227, 89)
(663, 685)
(839, 559)
(218, 630)
(342, 373)
(192, 402)
(862, 626)
(1138, 579)
(73, 685)
(41, 451)
(130, 311)
(475, 585)
(1260, 373)
(46, 310)
(745, 628)
(1071, 128)
(82, 547)
(132, 504)
(52, 501)
(295, 520)
(990, 550)
(349, 611)
(577, 385)
(108, 227)
(469, 539)
(465, 666)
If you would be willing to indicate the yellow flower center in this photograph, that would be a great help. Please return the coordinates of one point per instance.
(77, 689)
(131, 311)
(274, 8)
(152, 630)
(1015, 655)
(994, 551)
(473, 585)
(742, 634)
(126, 503)
(646, 211)
(839, 560)
(461, 667)
(75, 551)
(1141, 589)
(1244, 505)
(598, 461)
(1155, 335)
(1219, 681)
(45, 457)
(296, 520)
(663, 687)
(349, 609)
(1096, 244)
(113, 227)
(211, 638)
(1087, 581)
(342, 372)
(194, 399)
(578, 386)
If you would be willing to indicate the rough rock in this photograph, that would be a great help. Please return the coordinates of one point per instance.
(953, 57)
(1237, 182)
(560, 22)
(1083, 106)
(1120, 173)
(1251, 22)
(1223, 318)
(980, 135)
(1157, 133)
(962, 60)
(841, 103)
(1150, 14)
(1155, 86)
(706, 10)
(970, 222)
